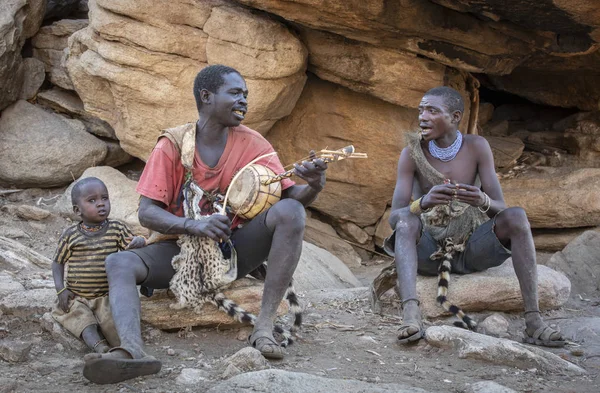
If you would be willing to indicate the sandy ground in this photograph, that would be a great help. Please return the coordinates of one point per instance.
(340, 339)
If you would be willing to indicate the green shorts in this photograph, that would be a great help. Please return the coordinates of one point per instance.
(483, 250)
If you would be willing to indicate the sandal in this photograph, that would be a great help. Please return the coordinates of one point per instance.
(543, 337)
(106, 368)
(416, 336)
(267, 346)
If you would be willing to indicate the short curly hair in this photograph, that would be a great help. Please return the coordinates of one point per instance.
(452, 98)
(211, 78)
(76, 190)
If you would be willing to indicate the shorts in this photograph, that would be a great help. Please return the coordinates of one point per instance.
(483, 251)
(85, 312)
(252, 243)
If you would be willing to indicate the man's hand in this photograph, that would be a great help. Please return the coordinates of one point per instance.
(64, 298)
(216, 227)
(470, 194)
(136, 242)
(438, 195)
(313, 172)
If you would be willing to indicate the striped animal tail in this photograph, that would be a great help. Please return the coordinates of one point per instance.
(442, 298)
(295, 306)
(239, 314)
(449, 249)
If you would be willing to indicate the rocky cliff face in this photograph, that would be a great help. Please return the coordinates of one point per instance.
(327, 73)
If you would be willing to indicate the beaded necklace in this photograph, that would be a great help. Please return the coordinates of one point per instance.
(446, 154)
(93, 228)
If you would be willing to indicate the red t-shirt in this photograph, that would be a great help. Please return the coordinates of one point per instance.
(164, 173)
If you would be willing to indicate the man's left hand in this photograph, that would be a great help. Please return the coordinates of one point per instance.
(313, 171)
(469, 194)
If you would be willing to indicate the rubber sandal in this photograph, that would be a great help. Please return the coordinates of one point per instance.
(270, 349)
(413, 337)
(542, 336)
(104, 368)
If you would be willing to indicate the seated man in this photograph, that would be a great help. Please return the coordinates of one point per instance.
(442, 170)
(222, 147)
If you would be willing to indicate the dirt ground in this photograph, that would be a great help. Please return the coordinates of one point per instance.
(340, 339)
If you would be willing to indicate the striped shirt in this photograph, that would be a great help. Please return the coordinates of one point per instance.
(85, 252)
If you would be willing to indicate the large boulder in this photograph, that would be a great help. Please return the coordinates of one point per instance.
(34, 75)
(42, 150)
(19, 259)
(556, 197)
(19, 20)
(132, 68)
(273, 381)
(324, 236)
(50, 46)
(121, 190)
(317, 269)
(580, 261)
(497, 289)
(330, 116)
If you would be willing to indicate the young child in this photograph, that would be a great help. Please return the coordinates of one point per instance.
(82, 306)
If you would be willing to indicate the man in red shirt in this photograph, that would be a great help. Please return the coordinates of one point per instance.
(222, 147)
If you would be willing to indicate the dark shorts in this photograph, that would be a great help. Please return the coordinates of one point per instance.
(252, 243)
(483, 251)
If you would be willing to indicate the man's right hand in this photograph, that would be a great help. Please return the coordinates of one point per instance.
(216, 227)
(64, 298)
(438, 195)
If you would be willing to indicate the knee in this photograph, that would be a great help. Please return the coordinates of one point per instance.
(288, 213)
(407, 223)
(513, 219)
(119, 264)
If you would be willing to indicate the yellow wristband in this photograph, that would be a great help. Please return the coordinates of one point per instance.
(415, 207)
(61, 291)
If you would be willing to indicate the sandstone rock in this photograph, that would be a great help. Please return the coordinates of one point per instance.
(67, 102)
(33, 77)
(271, 381)
(319, 269)
(115, 155)
(28, 304)
(191, 376)
(9, 285)
(247, 359)
(13, 233)
(497, 289)
(372, 70)
(552, 240)
(31, 136)
(123, 198)
(488, 387)
(579, 262)
(324, 236)
(247, 293)
(28, 212)
(496, 129)
(139, 78)
(471, 345)
(267, 49)
(506, 150)
(556, 197)
(485, 114)
(323, 296)
(230, 372)
(330, 116)
(383, 229)
(20, 20)
(60, 335)
(15, 351)
(353, 232)
(49, 46)
(494, 325)
(17, 258)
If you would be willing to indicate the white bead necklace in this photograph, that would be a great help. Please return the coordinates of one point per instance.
(446, 154)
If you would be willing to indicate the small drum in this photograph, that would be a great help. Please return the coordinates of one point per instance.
(248, 197)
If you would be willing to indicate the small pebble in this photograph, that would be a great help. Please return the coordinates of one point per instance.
(577, 352)
(171, 352)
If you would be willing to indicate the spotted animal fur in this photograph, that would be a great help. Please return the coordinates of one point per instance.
(446, 253)
(202, 272)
